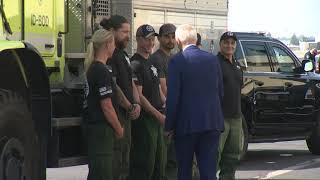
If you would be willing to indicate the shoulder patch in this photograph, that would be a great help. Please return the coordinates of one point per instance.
(105, 90)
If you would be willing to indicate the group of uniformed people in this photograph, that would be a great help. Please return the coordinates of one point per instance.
(125, 104)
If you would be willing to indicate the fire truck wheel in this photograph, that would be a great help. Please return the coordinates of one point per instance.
(19, 144)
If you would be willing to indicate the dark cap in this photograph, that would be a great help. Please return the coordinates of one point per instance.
(167, 29)
(228, 35)
(146, 31)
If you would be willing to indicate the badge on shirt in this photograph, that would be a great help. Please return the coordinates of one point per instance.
(154, 70)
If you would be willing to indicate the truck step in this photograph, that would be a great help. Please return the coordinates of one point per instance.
(66, 122)
(72, 161)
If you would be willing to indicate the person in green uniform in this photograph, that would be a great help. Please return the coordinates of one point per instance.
(146, 157)
(230, 147)
(160, 60)
(127, 92)
(102, 124)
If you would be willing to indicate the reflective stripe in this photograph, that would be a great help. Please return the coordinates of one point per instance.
(10, 45)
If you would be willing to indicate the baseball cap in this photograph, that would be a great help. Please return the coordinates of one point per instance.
(167, 29)
(145, 31)
(228, 35)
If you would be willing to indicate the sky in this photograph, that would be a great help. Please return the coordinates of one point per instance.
(282, 18)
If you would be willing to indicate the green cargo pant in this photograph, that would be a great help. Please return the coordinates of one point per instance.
(230, 148)
(100, 151)
(121, 160)
(147, 150)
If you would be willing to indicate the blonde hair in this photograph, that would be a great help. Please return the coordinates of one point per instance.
(186, 34)
(99, 38)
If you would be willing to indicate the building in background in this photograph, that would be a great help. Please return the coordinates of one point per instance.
(209, 17)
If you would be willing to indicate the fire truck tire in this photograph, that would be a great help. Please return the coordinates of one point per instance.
(19, 145)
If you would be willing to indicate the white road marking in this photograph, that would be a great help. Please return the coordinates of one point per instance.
(289, 169)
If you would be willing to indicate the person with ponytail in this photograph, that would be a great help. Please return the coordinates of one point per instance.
(102, 124)
(128, 97)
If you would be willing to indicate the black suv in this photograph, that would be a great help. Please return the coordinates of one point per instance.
(280, 94)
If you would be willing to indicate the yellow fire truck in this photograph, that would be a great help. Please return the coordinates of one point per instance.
(42, 48)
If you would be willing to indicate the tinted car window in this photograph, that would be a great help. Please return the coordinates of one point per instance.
(283, 61)
(239, 57)
(256, 56)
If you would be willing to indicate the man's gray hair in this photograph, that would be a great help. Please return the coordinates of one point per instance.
(186, 34)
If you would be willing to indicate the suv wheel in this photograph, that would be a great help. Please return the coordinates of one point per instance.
(19, 147)
(245, 138)
(313, 141)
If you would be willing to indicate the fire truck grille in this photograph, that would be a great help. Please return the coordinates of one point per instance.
(103, 7)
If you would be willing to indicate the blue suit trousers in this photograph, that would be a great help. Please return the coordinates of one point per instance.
(205, 147)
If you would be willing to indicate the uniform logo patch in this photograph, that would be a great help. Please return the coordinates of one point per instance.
(105, 90)
(154, 70)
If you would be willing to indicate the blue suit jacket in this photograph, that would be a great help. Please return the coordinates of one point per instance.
(195, 93)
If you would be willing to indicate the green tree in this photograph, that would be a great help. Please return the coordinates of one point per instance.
(294, 40)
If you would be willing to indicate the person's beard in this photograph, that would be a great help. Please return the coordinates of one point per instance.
(122, 44)
(169, 46)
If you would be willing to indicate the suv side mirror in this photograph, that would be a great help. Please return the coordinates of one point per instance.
(307, 65)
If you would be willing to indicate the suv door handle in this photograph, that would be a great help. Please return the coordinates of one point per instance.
(259, 83)
(288, 84)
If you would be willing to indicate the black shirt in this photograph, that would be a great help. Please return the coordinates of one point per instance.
(232, 82)
(160, 60)
(121, 68)
(99, 86)
(146, 75)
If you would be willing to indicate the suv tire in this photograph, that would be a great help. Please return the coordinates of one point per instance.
(313, 141)
(245, 138)
(20, 156)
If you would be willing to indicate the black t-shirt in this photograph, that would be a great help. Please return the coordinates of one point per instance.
(146, 75)
(232, 82)
(160, 60)
(99, 85)
(120, 63)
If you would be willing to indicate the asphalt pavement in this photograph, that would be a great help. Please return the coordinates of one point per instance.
(278, 161)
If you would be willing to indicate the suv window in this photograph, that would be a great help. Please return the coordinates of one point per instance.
(283, 61)
(256, 56)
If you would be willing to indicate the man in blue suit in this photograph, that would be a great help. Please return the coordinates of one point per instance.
(194, 114)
